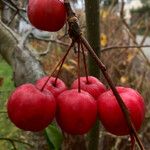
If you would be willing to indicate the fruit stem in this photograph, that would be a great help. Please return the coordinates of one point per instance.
(84, 61)
(62, 61)
(115, 92)
(79, 86)
(59, 63)
(132, 141)
(51, 74)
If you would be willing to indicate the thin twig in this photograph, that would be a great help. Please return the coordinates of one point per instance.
(13, 144)
(123, 47)
(132, 34)
(60, 63)
(15, 140)
(12, 18)
(51, 40)
(11, 5)
(141, 80)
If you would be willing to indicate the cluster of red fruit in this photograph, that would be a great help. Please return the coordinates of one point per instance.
(32, 108)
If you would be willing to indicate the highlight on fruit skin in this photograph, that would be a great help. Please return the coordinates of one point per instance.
(47, 15)
(30, 109)
(54, 88)
(93, 86)
(76, 112)
(112, 117)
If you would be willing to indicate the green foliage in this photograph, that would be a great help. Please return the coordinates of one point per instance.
(8, 130)
(54, 137)
(6, 85)
(145, 2)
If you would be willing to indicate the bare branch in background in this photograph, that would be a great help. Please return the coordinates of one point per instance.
(52, 40)
(15, 140)
(15, 8)
(121, 47)
(131, 34)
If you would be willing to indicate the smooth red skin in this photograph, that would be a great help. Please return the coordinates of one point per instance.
(76, 112)
(30, 109)
(111, 115)
(47, 15)
(94, 87)
(54, 89)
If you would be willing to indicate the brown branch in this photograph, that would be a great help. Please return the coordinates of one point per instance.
(15, 140)
(12, 6)
(12, 18)
(52, 40)
(141, 80)
(123, 47)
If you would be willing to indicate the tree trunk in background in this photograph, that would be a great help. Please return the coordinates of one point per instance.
(93, 32)
(1, 8)
(93, 36)
(26, 69)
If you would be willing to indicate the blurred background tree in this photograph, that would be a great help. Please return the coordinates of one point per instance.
(121, 51)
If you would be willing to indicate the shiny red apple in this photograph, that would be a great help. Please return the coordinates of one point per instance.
(47, 15)
(93, 86)
(30, 109)
(76, 112)
(55, 89)
(111, 115)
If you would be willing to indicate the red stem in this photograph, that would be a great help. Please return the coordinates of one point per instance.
(59, 63)
(84, 61)
(62, 62)
(51, 75)
(132, 141)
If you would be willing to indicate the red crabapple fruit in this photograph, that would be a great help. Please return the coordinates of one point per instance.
(31, 109)
(111, 115)
(76, 112)
(47, 15)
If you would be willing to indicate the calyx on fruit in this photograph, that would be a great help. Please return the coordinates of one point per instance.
(93, 86)
(47, 15)
(30, 109)
(112, 117)
(76, 112)
(54, 88)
